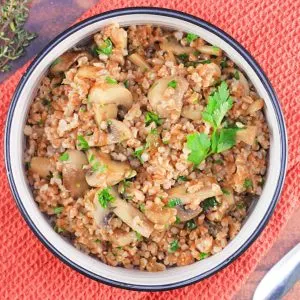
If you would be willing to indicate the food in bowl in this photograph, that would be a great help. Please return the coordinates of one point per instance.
(146, 147)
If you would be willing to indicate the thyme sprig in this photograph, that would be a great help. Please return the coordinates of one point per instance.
(13, 37)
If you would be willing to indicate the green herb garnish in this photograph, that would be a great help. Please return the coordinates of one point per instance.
(236, 75)
(202, 255)
(110, 80)
(138, 154)
(172, 84)
(177, 220)
(64, 157)
(57, 210)
(142, 207)
(46, 102)
(191, 224)
(174, 202)
(182, 179)
(209, 203)
(191, 37)
(199, 144)
(82, 143)
(97, 241)
(152, 117)
(225, 192)
(126, 83)
(138, 236)
(248, 183)
(105, 48)
(223, 63)
(174, 246)
(105, 197)
(58, 229)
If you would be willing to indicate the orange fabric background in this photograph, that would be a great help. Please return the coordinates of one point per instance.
(270, 30)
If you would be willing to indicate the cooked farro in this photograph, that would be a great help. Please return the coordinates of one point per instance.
(146, 147)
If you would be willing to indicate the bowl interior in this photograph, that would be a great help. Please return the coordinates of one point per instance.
(119, 276)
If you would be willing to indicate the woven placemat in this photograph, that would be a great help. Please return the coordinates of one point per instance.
(270, 30)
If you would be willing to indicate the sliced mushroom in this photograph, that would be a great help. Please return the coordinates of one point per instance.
(132, 216)
(105, 112)
(139, 61)
(187, 214)
(121, 238)
(65, 61)
(190, 112)
(117, 132)
(108, 171)
(89, 72)
(247, 135)
(255, 106)
(174, 47)
(160, 215)
(194, 199)
(73, 174)
(110, 94)
(40, 166)
(119, 37)
(168, 106)
(210, 50)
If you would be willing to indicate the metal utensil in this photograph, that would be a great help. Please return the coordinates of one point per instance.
(278, 281)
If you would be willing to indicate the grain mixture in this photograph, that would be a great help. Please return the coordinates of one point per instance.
(146, 147)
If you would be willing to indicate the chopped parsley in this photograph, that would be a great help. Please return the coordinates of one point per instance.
(240, 205)
(27, 165)
(64, 157)
(248, 183)
(174, 246)
(172, 84)
(182, 179)
(152, 117)
(236, 75)
(191, 37)
(138, 154)
(209, 203)
(191, 224)
(215, 48)
(174, 202)
(46, 102)
(58, 229)
(177, 220)
(202, 255)
(225, 192)
(82, 143)
(223, 63)
(110, 80)
(105, 48)
(183, 58)
(97, 241)
(138, 236)
(126, 83)
(97, 167)
(142, 207)
(198, 62)
(105, 197)
(57, 210)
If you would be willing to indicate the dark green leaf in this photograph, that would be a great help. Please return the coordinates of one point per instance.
(191, 37)
(191, 224)
(182, 179)
(199, 144)
(209, 203)
(174, 246)
(174, 202)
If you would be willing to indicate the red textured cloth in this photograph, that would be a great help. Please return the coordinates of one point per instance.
(270, 30)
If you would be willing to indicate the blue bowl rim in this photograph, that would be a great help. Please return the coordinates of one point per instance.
(196, 21)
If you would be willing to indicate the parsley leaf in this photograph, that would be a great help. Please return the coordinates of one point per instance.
(174, 246)
(202, 255)
(218, 105)
(172, 84)
(142, 207)
(248, 183)
(177, 220)
(174, 202)
(104, 197)
(199, 144)
(152, 117)
(57, 210)
(224, 139)
(191, 37)
(138, 154)
(110, 80)
(64, 157)
(236, 75)
(82, 143)
(105, 48)
(209, 203)
(182, 179)
(191, 224)
(138, 236)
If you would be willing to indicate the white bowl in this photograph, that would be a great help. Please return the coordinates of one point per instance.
(62, 248)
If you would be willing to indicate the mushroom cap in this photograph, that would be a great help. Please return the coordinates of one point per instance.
(40, 166)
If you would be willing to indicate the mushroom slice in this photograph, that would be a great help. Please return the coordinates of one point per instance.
(104, 170)
(174, 47)
(104, 112)
(240, 87)
(65, 61)
(160, 215)
(170, 105)
(117, 132)
(121, 238)
(73, 174)
(194, 199)
(255, 106)
(139, 61)
(247, 135)
(187, 214)
(40, 166)
(110, 94)
(210, 50)
(119, 37)
(89, 72)
(131, 216)
(190, 112)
